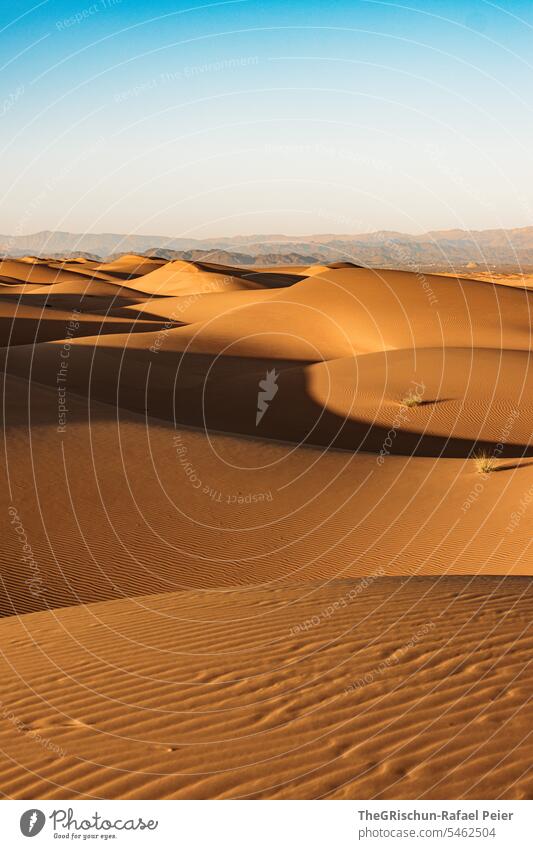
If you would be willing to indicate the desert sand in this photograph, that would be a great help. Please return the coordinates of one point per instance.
(250, 548)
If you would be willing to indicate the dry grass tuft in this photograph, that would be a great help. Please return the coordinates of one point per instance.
(412, 400)
(484, 462)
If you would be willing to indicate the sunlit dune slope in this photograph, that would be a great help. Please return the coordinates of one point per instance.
(131, 265)
(23, 322)
(190, 278)
(114, 504)
(345, 348)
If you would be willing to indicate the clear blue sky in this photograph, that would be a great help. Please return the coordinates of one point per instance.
(246, 117)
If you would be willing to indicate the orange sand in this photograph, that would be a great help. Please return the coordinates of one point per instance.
(201, 596)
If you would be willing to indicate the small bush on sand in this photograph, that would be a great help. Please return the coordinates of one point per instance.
(484, 462)
(412, 400)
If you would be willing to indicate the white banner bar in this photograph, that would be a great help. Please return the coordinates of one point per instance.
(268, 824)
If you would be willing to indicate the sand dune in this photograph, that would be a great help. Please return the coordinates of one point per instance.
(131, 265)
(93, 289)
(462, 399)
(229, 495)
(412, 689)
(29, 270)
(193, 278)
(126, 506)
(23, 323)
(199, 307)
(317, 335)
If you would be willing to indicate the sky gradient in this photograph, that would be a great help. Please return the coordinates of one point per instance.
(277, 117)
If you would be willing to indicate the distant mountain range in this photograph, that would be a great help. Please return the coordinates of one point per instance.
(235, 258)
(439, 249)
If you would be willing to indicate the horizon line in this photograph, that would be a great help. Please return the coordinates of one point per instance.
(295, 236)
